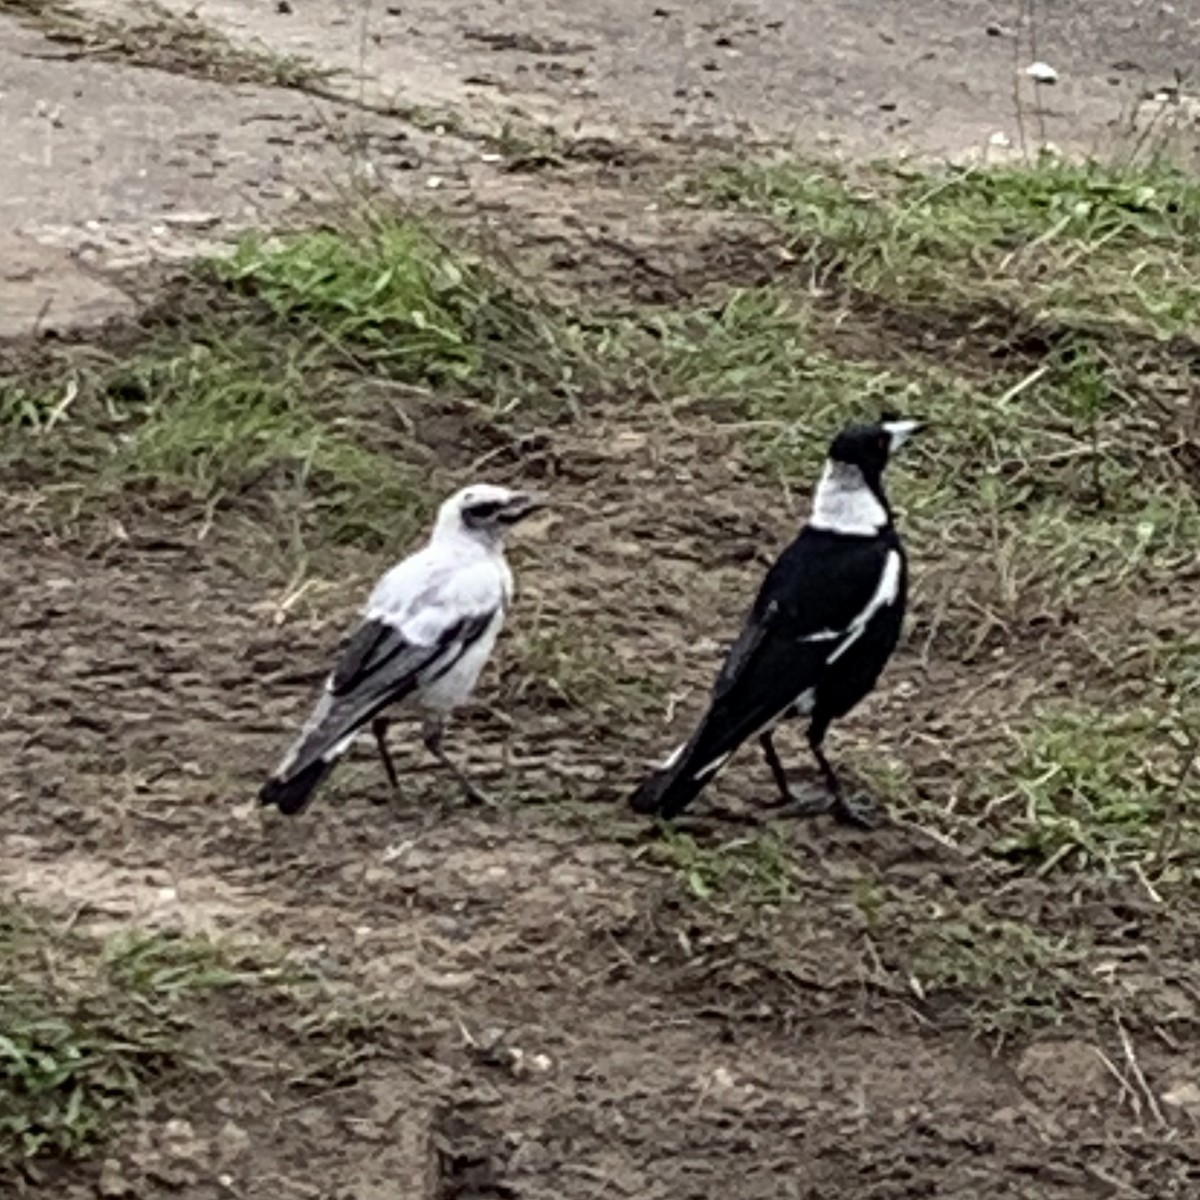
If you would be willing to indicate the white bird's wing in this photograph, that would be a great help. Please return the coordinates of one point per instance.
(421, 618)
(418, 624)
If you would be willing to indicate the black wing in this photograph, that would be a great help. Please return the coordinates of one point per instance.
(374, 646)
(805, 608)
(804, 611)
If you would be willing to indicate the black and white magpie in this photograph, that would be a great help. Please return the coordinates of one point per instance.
(824, 624)
(428, 630)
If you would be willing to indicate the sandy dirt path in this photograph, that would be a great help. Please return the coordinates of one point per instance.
(117, 164)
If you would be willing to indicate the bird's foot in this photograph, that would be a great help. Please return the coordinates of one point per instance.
(861, 812)
(777, 802)
(474, 796)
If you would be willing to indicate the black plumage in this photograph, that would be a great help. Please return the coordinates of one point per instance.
(823, 626)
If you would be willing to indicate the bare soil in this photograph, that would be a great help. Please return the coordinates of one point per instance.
(569, 1024)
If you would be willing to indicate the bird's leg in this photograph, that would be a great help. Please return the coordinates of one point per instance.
(432, 732)
(379, 728)
(844, 810)
(767, 742)
(834, 801)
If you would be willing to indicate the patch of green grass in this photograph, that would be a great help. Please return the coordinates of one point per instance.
(33, 409)
(92, 1030)
(385, 297)
(1001, 977)
(391, 298)
(753, 871)
(1079, 244)
(207, 425)
(1054, 482)
(566, 662)
(297, 376)
(85, 1027)
(1102, 791)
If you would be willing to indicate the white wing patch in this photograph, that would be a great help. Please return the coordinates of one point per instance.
(673, 757)
(712, 768)
(886, 592)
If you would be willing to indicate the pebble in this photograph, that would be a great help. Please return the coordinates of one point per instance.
(1041, 72)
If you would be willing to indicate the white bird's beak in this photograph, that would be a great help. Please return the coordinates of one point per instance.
(900, 432)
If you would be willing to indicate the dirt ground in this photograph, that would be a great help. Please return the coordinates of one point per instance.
(119, 166)
(565, 1024)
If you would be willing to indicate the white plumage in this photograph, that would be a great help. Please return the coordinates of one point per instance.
(428, 629)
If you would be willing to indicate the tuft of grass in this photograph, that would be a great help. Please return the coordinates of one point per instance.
(568, 663)
(296, 378)
(1075, 243)
(732, 875)
(388, 292)
(85, 1028)
(1102, 791)
(395, 300)
(1000, 977)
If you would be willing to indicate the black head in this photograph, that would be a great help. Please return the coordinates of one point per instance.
(868, 447)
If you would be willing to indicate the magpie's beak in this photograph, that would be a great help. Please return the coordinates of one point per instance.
(521, 505)
(899, 431)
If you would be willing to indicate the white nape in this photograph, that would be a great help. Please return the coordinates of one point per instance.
(844, 504)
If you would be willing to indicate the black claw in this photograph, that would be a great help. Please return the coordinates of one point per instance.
(860, 813)
(476, 798)
(812, 806)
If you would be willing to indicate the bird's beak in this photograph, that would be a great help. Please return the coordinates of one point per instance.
(523, 504)
(899, 431)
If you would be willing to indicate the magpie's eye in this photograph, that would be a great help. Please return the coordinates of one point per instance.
(484, 510)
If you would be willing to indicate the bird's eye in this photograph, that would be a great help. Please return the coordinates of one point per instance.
(484, 510)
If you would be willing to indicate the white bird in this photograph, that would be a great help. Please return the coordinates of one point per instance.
(427, 632)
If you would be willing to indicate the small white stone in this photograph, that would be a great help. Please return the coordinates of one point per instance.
(193, 220)
(1041, 72)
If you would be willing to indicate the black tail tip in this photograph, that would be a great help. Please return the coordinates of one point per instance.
(292, 794)
(268, 794)
(647, 800)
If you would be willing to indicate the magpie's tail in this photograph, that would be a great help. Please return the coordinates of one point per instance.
(669, 790)
(292, 791)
